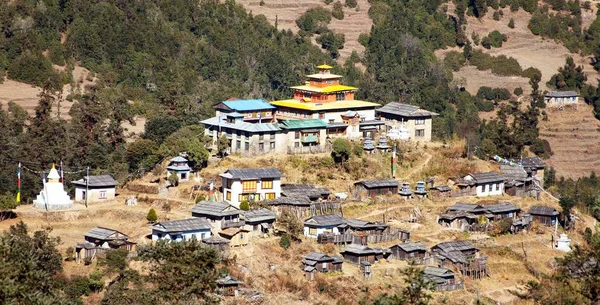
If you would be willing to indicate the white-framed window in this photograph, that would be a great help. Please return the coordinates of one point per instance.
(419, 133)
(102, 195)
(419, 121)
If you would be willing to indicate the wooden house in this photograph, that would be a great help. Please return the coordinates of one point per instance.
(518, 183)
(373, 188)
(409, 251)
(318, 224)
(95, 188)
(357, 253)
(218, 243)
(457, 219)
(311, 191)
(495, 211)
(440, 191)
(236, 236)
(99, 240)
(442, 278)
(259, 220)
(534, 166)
(297, 204)
(461, 255)
(319, 262)
(228, 286)
(221, 215)
(185, 229)
(544, 215)
(367, 227)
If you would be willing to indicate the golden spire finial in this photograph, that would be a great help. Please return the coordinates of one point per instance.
(53, 166)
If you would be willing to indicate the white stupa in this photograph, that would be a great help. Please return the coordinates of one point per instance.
(563, 243)
(53, 196)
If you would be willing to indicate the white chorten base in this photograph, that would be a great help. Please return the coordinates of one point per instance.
(53, 197)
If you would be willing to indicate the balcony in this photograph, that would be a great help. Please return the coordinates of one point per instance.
(232, 223)
(309, 139)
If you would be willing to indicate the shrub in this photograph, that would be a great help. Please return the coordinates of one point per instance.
(261, 3)
(485, 106)
(532, 72)
(152, 217)
(173, 179)
(541, 148)
(511, 23)
(496, 15)
(363, 39)
(475, 38)
(70, 254)
(314, 19)
(31, 69)
(285, 241)
(87, 261)
(328, 2)
(500, 65)
(341, 150)
(244, 205)
(332, 42)
(454, 60)
(518, 91)
(337, 12)
(96, 282)
(79, 285)
(351, 3)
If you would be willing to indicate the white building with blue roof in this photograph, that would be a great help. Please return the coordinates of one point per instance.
(252, 110)
(179, 166)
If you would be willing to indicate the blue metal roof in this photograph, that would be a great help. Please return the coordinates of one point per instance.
(248, 105)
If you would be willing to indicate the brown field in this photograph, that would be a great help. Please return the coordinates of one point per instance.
(356, 20)
(574, 136)
(285, 283)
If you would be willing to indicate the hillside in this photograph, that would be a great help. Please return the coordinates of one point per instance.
(356, 20)
(574, 136)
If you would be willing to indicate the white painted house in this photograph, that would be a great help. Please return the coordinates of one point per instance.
(561, 98)
(180, 167)
(185, 229)
(318, 224)
(97, 188)
(250, 184)
(486, 184)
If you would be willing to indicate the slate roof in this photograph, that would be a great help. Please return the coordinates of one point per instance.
(259, 215)
(231, 232)
(369, 184)
(251, 173)
(228, 281)
(313, 192)
(325, 220)
(359, 249)
(532, 162)
(451, 216)
(442, 188)
(360, 224)
(217, 209)
(97, 181)
(542, 210)
(316, 257)
(242, 126)
(487, 177)
(405, 110)
(85, 245)
(561, 94)
(304, 124)
(296, 200)
(441, 272)
(500, 207)
(184, 225)
(102, 233)
(513, 173)
(248, 105)
(411, 246)
(215, 240)
(453, 250)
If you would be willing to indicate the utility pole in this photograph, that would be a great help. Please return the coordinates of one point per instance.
(87, 183)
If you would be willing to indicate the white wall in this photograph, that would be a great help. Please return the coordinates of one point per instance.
(94, 194)
(237, 189)
(336, 116)
(490, 189)
(186, 235)
(319, 231)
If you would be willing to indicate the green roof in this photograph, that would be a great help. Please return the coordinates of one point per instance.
(304, 124)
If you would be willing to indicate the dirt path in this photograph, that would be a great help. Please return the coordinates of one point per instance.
(420, 167)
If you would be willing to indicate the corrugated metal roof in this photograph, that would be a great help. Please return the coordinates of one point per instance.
(325, 220)
(411, 246)
(513, 173)
(97, 181)
(487, 177)
(248, 105)
(361, 224)
(405, 110)
(441, 272)
(241, 126)
(184, 225)
(359, 249)
(378, 183)
(304, 124)
(461, 245)
(457, 214)
(217, 209)
(104, 234)
(259, 215)
(499, 207)
(561, 94)
(543, 210)
(309, 190)
(252, 173)
(442, 188)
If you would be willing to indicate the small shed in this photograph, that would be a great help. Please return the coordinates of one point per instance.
(218, 243)
(259, 220)
(440, 191)
(87, 250)
(356, 254)
(373, 188)
(236, 236)
(228, 286)
(96, 188)
(369, 227)
(457, 219)
(311, 191)
(365, 268)
(180, 167)
(442, 278)
(544, 215)
(409, 251)
(320, 262)
(109, 238)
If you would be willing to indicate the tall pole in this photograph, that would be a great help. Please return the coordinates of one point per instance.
(87, 183)
(394, 162)
(45, 190)
(62, 173)
(18, 199)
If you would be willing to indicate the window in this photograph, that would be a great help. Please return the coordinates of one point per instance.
(329, 82)
(102, 194)
(238, 145)
(419, 133)
(321, 115)
(267, 184)
(228, 196)
(269, 196)
(419, 121)
(312, 231)
(297, 144)
(183, 177)
(247, 146)
(324, 266)
(272, 136)
(340, 96)
(249, 185)
(243, 198)
(202, 235)
(331, 121)
(261, 136)
(255, 227)
(241, 235)
(272, 145)
(297, 135)
(261, 146)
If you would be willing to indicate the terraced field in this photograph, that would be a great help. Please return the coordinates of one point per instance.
(574, 136)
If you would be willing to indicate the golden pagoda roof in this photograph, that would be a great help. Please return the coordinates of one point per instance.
(346, 104)
(324, 67)
(328, 89)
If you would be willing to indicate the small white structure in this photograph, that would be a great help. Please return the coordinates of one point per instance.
(487, 184)
(398, 133)
(250, 184)
(97, 188)
(563, 243)
(320, 224)
(179, 166)
(185, 229)
(53, 196)
(561, 98)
